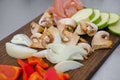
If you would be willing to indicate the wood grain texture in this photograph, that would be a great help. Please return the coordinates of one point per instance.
(91, 65)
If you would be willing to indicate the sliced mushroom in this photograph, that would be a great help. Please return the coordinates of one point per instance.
(66, 24)
(66, 28)
(36, 28)
(88, 27)
(37, 35)
(42, 41)
(101, 40)
(67, 21)
(69, 38)
(79, 30)
(86, 47)
(50, 35)
(46, 20)
(46, 38)
(36, 41)
(55, 33)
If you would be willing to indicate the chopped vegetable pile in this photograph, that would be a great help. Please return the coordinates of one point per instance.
(59, 34)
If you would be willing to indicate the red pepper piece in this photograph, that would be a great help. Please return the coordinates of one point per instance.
(8, 72)
(40, 70)
(51, 74)
(27, 69)
(63, 76)
(35, 76)
(36, 60)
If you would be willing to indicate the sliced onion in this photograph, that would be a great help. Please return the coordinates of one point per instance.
(41, 53)
(60, 52)
(67, 65)
(77, 57)
(18, 51)
(21, 39)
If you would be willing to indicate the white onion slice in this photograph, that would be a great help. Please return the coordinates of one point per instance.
(60, 52)
(40, 53)
(77, 57)
(21, 39)
(18, 51)
(67, 65)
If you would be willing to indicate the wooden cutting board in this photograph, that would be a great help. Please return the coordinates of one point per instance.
(91, 65)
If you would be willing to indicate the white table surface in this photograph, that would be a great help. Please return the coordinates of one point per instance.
(16, 13)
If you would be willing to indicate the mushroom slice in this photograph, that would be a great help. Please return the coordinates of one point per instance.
(46, 38)
(42, 40)
(88, 27)
(66, 24)
(85, 46)
(37, 35)
(36, 28)
(101, 40)
(36, 43)
(67, 21)
(79, 30)
(46, 20)
(69, 38)
(55, 33)
(66, 28)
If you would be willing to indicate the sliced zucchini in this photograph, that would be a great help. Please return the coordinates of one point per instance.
(96, 17)
(113, 18)
(115, 28)
(104, 19)
(86, 13)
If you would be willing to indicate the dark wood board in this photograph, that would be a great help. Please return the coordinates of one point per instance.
(91, 65)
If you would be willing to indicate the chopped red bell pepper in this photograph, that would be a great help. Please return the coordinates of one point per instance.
(63, 76)
(51, 74)
(27, 69)
(40, 70)
(35, 76)
(8, 72)
(36, 60)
